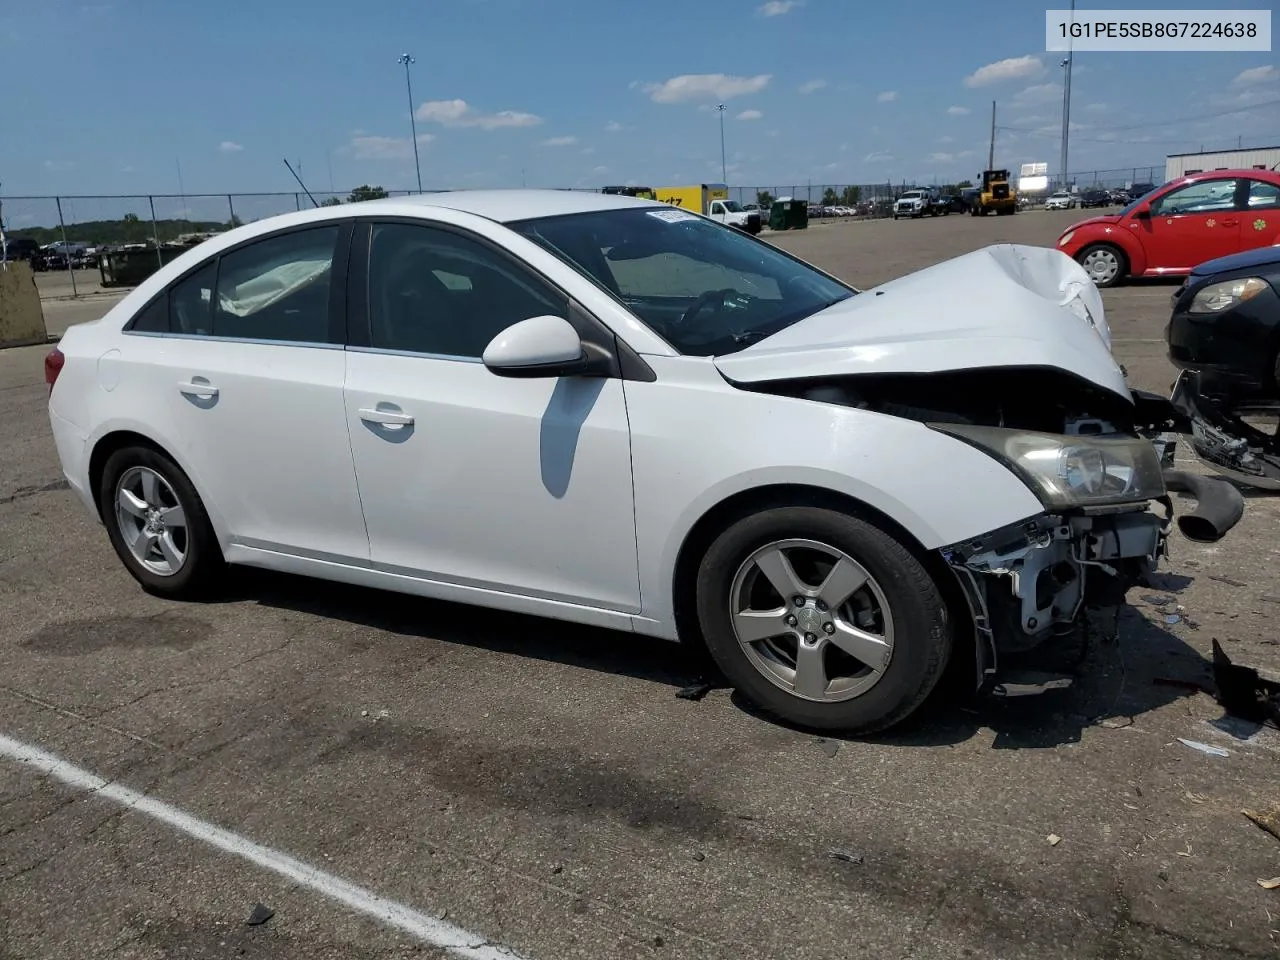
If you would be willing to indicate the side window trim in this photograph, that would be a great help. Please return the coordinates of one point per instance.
(337, 320)
(626, 364)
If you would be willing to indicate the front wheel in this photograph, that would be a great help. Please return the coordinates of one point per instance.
(1104, 263)
(822, 619)
(158, 525)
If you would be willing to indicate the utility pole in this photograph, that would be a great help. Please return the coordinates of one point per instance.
(991, 155)
(1066, 102)
(408, 61)
(724, 169)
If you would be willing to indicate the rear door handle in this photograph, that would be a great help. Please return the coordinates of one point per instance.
(387, 417)
(192, 388)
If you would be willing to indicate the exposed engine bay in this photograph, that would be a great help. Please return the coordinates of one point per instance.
(1030, 581)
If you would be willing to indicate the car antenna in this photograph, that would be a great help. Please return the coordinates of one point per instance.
(302, 185)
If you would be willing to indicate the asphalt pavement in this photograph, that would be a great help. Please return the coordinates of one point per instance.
(432, 770)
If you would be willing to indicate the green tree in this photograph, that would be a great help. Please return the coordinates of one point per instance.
(330, 202)
(850, 196)
(963, 184)
(366, 192)
(829, 198)
(765, 199)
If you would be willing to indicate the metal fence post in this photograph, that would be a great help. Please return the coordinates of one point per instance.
(231, 208)
(155, 230)
(66, 247)
(297, 203)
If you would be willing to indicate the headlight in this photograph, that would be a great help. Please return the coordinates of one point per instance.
(1071, 471)
(1223, 296)
(1066, 238)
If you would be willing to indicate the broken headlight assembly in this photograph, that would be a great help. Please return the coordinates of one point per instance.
(1071, 471)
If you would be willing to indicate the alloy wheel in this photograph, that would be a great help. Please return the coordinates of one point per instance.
(151, 520)
(811, 620)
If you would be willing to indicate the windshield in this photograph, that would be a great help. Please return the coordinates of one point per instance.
(707, 289)
(732, 206)
(911, 195)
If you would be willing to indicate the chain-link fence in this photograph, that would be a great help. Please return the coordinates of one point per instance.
(83, 228)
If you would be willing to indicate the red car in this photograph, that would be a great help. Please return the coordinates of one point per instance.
(1187, 221)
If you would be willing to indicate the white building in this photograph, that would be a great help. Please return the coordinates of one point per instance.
(1257, 158)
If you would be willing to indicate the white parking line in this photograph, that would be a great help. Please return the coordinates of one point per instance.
(455, 940)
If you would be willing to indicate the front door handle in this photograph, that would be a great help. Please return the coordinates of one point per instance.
(198, 388)
(387, 417)
(1230, 223)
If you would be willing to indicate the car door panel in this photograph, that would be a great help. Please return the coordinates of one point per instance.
(1190, 225)
(251, 378)
(520, 485)
(1260, 220)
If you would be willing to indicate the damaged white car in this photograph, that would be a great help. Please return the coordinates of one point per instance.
(612, 411)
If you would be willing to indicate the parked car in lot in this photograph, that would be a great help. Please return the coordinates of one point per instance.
(1224, 336)
(1060, 201)
(1187, 221)
(915, 204)
(608, 410)
(1095, 198)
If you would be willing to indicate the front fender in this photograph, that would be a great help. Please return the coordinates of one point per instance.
(1121, 236)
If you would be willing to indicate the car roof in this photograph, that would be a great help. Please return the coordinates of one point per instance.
(509, 205)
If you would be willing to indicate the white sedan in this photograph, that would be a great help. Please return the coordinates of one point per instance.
(1060, 201)
(613, 411)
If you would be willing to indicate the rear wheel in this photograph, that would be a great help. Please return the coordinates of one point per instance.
(823, 619)
(1104, 263)
(158, 525)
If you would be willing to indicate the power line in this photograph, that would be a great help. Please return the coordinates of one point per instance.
(1046, 133)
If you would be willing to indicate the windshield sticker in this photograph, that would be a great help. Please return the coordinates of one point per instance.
(673, 215)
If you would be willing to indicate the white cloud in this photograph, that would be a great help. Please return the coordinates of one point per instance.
(832, 166)
(958, 111)
(703, 86)
(1097, 107)
(459, 113)
(613, 126)
(600, 169)
(887, 97)
(941, 157)
(750, 115)
(559, 141)
(811, 86)
(230, 146)
(1014, 68)
(385, 148)
(776, 8)
(877, 157)
(946, 139)
(964, 153)
(588, 150)
(1254, 75)
(59, 164)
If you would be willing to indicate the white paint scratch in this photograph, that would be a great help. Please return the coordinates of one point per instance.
(455, 940)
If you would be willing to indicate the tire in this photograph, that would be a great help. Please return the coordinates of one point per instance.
(851, 697)
(142, 469)
(1098, 252)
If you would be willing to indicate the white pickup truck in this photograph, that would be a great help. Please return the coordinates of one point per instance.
(916, 203)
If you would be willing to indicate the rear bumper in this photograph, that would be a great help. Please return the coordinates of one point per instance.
(73, 455)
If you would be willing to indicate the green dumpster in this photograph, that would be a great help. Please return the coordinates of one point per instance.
(788, 215)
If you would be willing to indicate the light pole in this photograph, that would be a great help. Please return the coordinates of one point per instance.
(413, 126)
(724, 170)
(1066, 101)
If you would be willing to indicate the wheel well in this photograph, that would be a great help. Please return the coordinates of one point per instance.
(720, 517)
(108, 445)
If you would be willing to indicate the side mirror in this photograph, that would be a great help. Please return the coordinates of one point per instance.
(1143, 212)
(543, 346)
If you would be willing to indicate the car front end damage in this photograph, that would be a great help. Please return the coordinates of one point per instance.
(1105, 487)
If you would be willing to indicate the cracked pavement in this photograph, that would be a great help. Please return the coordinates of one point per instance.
(540, 784)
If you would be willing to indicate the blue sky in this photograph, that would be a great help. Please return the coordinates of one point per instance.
(112, 98)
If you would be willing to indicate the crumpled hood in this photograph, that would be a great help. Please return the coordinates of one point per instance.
(1006, 305)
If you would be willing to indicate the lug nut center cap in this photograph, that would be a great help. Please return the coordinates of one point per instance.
(809, 620)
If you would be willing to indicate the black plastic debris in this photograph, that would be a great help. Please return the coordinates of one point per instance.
(261, 914)
(829, 747)
(695, 691)
(1227, 580)
(1243, 692)
(845, 856)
